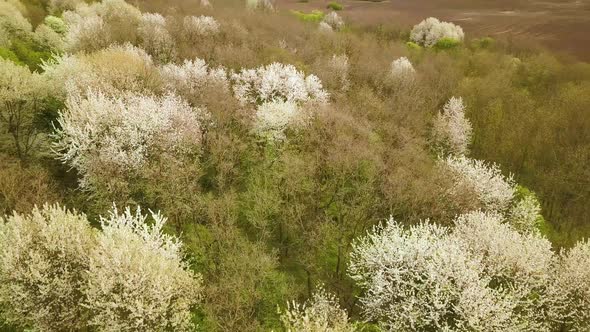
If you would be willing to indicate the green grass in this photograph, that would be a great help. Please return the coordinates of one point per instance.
(314, 16)
(334, 5)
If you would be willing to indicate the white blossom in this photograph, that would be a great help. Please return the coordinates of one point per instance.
(518, 265)
(321, 313)
(137, 279)
(273, 118)
(402, 70)
(192, 77)
(155, 38)
(266, 5)
(108, 136)
(421, 279)
(43, 263)
(339, 64)
(111, 70)
(431, 30)
(570, 285)
(486, 182)
(452, 131)
(525, 214)
(277, 82)
(334, 21)
(325, 28)
(200, 26)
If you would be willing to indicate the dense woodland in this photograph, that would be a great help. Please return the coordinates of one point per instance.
(232, 166)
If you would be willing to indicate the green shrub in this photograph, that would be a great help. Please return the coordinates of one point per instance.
(413, 46)
(314, 16)
(9, 55)
(334, 5)
(447, 44)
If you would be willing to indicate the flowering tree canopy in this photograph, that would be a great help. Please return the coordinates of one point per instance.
(431, 30)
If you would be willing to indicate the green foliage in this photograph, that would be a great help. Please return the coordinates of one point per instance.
(56, 24)
(485, 42)
(446, 44)
(314, 16)
(9, 55)
(30, 54)
(413, 46)
(334, 5)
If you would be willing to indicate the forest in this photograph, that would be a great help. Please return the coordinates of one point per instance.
(234, 166)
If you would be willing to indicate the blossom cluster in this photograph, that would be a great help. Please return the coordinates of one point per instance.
(402, 70)
(321, 313)
(106, 136)
(480, 275)
(200, 26)
(155, 38)
(493, 190)
(58, 274)
(431, 30)
(452, 131)
(192, 77)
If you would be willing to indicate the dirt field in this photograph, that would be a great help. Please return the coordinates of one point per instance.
(563, 26)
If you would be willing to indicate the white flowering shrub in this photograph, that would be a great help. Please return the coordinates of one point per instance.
(325, 28)
(266, 5)
(340, 67)
(273, 118)
(44, 257)
(402, 70)
(334, 21)
(518, 265)
(154, 37)
(431, 30)
(12, 21)
(525, 214)
(420, 279)
(112, 137)
(111, 70)
(49, 38)
(451, 130)
(277, 82)
(137, 280)
(92, 27)
(493, 191)
(196, 27)
(87, 32)
(321, 313)
(571, 286)
(193, 77)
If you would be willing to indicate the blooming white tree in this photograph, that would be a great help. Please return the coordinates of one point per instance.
(420, 279)
(324, 27)
(321, 313)
(273, 118)
(109, 137)
(525, 214)
(451, 130)
(431, 30)
(192, 77)
(340, 66)
(111, 70)
(266, 5)
(137, 280)
(44, 257)
(89, 26)
(12, 20)
(571, 287)
(518, 265)
(402, 70)
(197, 27)
(277, 82)
(334, 21)
(154, 37)
(493, 191)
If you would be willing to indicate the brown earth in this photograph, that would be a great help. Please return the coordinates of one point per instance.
(563, 26)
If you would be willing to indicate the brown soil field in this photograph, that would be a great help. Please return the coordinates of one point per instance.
(562, 26)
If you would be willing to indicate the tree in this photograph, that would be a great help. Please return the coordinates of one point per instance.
(402, 70)
(44, 258)
(431, 30)
(321, 313)
(110, 139)
(21, 99)
(137, 279)
(451, 130)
